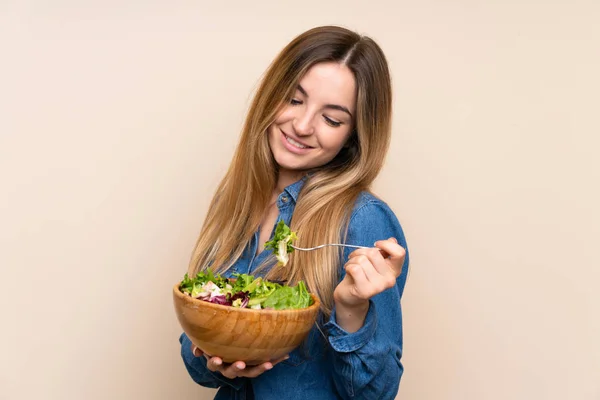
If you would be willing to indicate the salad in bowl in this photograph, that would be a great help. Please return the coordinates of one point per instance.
(246, 318)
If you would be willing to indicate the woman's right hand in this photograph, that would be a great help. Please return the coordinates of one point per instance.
(237, 369)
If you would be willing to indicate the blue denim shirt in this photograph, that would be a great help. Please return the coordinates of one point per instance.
(333, 364)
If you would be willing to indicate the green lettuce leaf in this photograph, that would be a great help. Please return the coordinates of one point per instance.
(289, 297)
(281, 244)
(260, 291)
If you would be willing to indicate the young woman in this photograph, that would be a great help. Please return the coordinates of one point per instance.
(314, 140)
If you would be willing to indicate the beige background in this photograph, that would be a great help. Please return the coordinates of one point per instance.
(117, 121)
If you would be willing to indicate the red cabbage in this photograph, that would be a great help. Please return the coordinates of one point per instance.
(244, 296)
(221, 299)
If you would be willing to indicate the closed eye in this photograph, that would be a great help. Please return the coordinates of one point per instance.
(331, 122)
(295, 102)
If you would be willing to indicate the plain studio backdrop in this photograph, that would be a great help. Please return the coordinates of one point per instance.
(118, 119)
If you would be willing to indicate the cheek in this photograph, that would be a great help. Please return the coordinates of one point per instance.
(284, 115)
(335, 140)
(272, 133)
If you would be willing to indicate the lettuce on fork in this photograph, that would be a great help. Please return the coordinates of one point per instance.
(245, 291)
(282, 243)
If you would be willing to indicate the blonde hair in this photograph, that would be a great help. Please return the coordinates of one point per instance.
(327, 198)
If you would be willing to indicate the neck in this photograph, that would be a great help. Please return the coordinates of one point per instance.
(286, 178)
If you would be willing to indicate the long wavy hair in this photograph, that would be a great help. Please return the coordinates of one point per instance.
(327, 198)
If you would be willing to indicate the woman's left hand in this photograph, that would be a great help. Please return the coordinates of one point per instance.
(369, 272)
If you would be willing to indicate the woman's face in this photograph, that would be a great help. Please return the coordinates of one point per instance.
(313, 127)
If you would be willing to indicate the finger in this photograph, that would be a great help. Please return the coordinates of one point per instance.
(365, 250)
(391, 247)
(377, 271)
(257, 370)
(374, 269)
(360, 279)
(234, 370)
(377, 259)
(358, 264)
(372, 251)
(397, 253)
(355, 253)
(196, 351)
(214, 363)
(280, 359)
(383, 253)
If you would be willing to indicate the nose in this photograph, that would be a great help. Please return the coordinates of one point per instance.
(303, 124)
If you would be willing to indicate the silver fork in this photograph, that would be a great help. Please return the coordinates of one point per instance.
(329, 244)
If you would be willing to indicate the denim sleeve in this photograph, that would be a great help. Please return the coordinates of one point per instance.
(196, 367)
(367, 363)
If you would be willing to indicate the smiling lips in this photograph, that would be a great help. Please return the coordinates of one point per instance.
(293, 145)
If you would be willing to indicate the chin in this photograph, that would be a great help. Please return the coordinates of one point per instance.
(291, 167)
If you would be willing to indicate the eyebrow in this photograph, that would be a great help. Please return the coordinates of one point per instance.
(330, 106)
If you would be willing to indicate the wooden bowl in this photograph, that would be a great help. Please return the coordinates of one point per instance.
(243, 334)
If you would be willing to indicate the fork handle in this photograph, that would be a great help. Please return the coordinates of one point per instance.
(330, 244)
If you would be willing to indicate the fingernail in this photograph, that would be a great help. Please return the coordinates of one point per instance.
(286, 357)
(239, 366)
(268, 367)
(217, 362)
(196, 352)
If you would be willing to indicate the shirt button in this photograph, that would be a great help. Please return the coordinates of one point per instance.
(284, 199)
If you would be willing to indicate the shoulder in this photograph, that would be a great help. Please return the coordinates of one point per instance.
(372, 218)
(368, 205)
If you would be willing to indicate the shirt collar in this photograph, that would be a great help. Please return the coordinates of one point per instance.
(294, 189)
